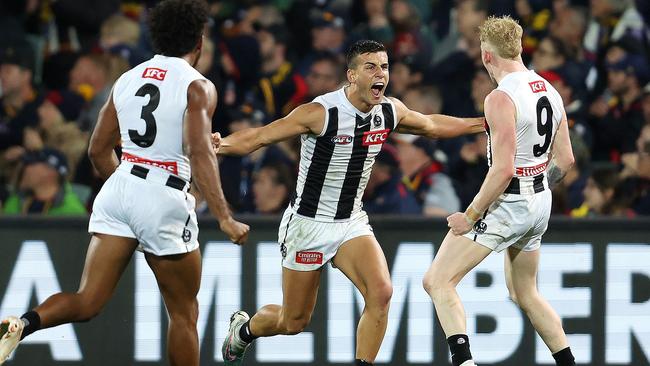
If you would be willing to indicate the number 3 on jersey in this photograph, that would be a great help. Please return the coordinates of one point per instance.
(146, 114)
(544, 128)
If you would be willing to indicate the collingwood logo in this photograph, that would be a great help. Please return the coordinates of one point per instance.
(187, 235)
(480, 226)
(377, 120)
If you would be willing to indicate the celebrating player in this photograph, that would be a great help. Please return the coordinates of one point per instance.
(342, 132)
(528, 152)
(161, 111)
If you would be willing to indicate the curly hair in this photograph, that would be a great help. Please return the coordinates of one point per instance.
(361, 47)
(503, 34)
(177, 25)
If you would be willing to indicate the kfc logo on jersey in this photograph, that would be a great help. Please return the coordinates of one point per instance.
(309, 257)
(154, 73)
(342, 139)
(538, 86)
(375, 137)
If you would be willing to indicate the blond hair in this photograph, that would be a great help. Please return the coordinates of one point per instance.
(121, 29)
(503, 35)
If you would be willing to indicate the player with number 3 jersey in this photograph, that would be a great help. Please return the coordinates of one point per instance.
(161, 113)
(528, 152)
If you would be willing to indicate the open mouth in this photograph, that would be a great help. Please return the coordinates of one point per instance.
(377, 88)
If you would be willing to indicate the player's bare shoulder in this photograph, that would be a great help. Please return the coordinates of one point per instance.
(310, 115)
(498, 103)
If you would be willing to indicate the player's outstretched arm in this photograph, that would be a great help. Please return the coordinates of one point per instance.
(561, 154)
(306, 118)
(435, 125)
(500, 115)
(105, 137)
(201, 102)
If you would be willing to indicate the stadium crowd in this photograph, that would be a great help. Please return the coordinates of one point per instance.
(60, 58)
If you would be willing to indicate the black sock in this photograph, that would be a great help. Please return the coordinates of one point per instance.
(245, 333)
(359, 362)
(459, 348)
(564, 357)
(32, 323)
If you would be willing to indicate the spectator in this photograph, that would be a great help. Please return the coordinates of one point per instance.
(469, 171)
(411, 38)
(92, 76)
(325, 75)
(611, 20)
(119, 36)
(424, 99)
(42, 187)
(385, 192)
(482, 85)
(569, 25)
(404, 74)
(328, 34)
(598, 193)
(616, 132)
(433, 189)
(645, 104)
(281, 88)
(272, 188)
(55, 130)
(551, 54)
(377, 26)
(19, 102)
(468, 15)
(568, 194)
(78, 24)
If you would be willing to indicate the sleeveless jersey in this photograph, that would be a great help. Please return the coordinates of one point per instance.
(539, 110)
(150, 100)
(335, 165)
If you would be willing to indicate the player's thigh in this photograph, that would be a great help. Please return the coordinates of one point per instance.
(362, 260)
(299, 293)
(455, 258)
(178, 277)
(521, 271)
(106, 260)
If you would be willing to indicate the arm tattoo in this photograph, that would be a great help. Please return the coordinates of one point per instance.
(554, 174)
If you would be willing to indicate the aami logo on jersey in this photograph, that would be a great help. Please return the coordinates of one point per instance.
(342, 139)
(309, 257)
(154, 73)
(538, 86)
(375, 137)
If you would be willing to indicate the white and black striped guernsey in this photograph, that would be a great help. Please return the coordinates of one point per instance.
(335, 165)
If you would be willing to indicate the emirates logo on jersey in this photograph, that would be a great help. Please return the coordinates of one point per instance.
(154, 73)
(375, 137)
(538, 86)
(309, 257)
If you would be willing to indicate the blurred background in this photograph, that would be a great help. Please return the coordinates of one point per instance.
(60, 58)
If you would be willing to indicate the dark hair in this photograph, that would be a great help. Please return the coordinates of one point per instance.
(361, 47)
(334, 60)
(560, 48)
(177, 25)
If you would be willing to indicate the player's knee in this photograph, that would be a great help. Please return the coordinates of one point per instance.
(436, 284)
(526, 300)
(295, 326)
(379, 296)
(185, 313)
(89, 307)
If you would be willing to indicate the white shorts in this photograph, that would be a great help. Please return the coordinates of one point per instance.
(307, 244)
(517, 220)
(161, 218)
